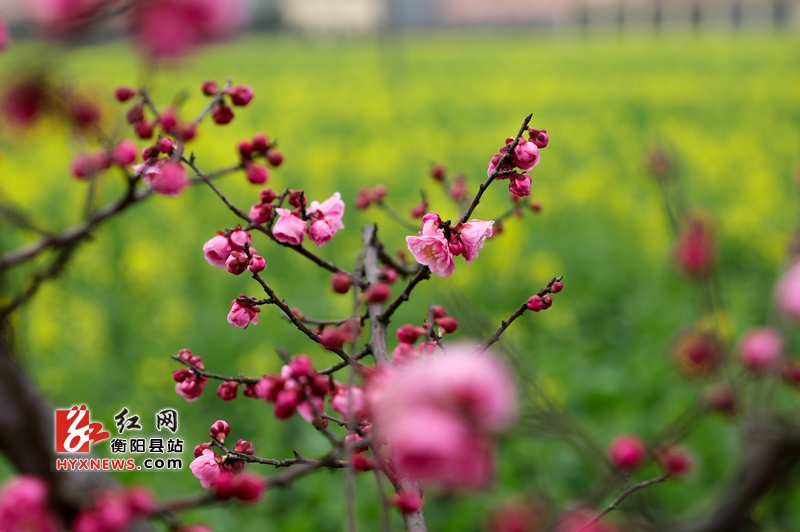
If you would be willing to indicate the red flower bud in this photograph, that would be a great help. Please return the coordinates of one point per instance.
(240, 95)
(123, 94)
(260, 142)
(341, 282)
(219, 430)
(627, 452)
(448, 324)
(135, 113)
(165, 145)
(143, 129)
(210, 87)
(168, 119)
(227, 390)
(437, 172)
(377, 293)
(245, 149)
(222, 114)
(275, 158)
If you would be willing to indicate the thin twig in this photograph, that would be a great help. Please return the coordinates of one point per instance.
(622, 496)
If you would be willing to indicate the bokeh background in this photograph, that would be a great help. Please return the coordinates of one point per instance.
(370, 100)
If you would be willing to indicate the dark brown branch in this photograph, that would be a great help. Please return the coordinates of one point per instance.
(209, 375)
(621, 497)
(516, 314)
(498, 170)
(336, 367)
(53, 270)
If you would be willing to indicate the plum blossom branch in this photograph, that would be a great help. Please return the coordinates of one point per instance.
(336, 367)
(286, 462)
(621, 497)
(497, 171)
(516, 314)
(219, 97)
(209, 375)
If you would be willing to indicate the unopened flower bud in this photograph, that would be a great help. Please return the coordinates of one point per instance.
(439, 312)
(181, 374)
(244, 447)
(245, 149)
(240, 95)
(556, 287)
(539, 137)
(200, 447)
(341, 282)
(260, 142)
(448, 324)
(301, 366)
(135, 114)
(236, 262)
(275, 158)
(406, 501)
(694, 249)
(332, 338)
(268, 195)
(257, 263)
(547, 302)
(222, 114)
(791, 373)
(143, 129)
(260, 213)
(437, 172)
(408, 334)
(219, 430)
(390, 274)
(269, 386)
(377, 293)
(124, 153)
(123, 94)
(722, 399)
(676, 461)
(168, 119)
(761, 350)
(187, 132)
(165, 145)
(227, 390)
(320, 385)
(210, 87)
(627, 452)
(256, 173)
(364, 199)
(535, 303)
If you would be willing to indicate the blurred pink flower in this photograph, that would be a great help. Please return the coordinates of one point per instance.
(164, 177)
(627, 452)
(63, 16)
(432, 249)
(473, 235)
(787, 292)
(206, 468)
(23, 506)
(289, 228)
(761, 349)
(352, 396)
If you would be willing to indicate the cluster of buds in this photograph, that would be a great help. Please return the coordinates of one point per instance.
(224, 472)
(457, 189)
(524, 156)
(542, 300)
(167, 120)
(114, 510)
(189, 383)
(231, 250)
(24, 505)
(259, 146)
(627, 452)
(367, 197)
(261, 212)
(324, 220)
(298, 387)
(239, 95)
(408, 334)
(420, 209)
(334, 337)
(439, 242)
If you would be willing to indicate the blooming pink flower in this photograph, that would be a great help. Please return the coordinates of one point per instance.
(526, 154)
(238, 238)
(327, 219)
(473, 235)
(347, 399)
(269, 387)
(627, 452)
(289, 228)
(23, 506)
(761, 349)
(217, 250)
(206, 468)
(166, 178)
(520, 185)
(432, 249)
(305, 410)
(242, 314)
(787, 292)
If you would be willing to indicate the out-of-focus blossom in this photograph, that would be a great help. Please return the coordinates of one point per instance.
(787, 292)
(627, 452)
(23, 506)
(694, 249)
(761, 350)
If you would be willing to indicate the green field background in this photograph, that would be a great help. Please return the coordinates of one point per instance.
(353, 112)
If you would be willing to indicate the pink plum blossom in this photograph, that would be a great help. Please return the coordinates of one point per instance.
(404, 353)
(239, 238)
(217, 250)
(520, 185)
(23, 506)
(526, 154)
(787, 292)
(305, 410)
(206, 468)
(242, 314)
(289, 228)
(432, 249)
(165, 178)
(191, 387)
(473, 235)
(347, 399)
(761, 349)
(326, 219)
